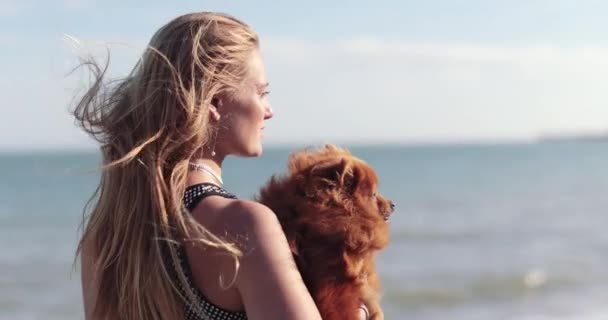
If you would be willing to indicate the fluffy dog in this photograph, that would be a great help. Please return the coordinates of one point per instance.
(335, 221)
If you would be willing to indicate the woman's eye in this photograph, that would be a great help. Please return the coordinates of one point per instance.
(265, 93)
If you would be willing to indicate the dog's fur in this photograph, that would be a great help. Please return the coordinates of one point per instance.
(335, 221)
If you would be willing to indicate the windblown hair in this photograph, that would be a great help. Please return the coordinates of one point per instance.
(150, 125)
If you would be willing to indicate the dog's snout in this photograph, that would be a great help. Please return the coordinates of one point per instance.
(391, 208)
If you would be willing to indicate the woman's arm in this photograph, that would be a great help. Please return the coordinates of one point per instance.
(268, 279)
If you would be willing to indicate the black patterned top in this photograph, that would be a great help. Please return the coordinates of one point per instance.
(202, 309)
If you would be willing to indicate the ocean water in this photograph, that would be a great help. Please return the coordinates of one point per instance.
(514, 232)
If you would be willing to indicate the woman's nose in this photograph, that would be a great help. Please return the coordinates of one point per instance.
(268, 113)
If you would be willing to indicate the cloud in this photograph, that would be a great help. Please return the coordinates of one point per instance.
(11, 8)
(8, 39)
(359, 90)
(37, 87)
(78, 4)
(368, 47)
(367, 89)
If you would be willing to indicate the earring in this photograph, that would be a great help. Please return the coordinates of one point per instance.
(214, 141)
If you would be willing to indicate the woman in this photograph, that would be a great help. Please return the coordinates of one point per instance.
(163, 239)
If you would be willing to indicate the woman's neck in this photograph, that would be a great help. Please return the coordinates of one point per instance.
(205, 170)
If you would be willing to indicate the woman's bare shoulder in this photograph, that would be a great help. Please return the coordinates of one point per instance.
(236, 216)
(253, 214)
(266, 265)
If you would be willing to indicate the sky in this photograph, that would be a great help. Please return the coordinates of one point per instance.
(347, 71)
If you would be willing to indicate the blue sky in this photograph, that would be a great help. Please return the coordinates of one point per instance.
(345, 71)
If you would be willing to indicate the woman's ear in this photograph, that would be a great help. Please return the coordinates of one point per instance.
(213, 108)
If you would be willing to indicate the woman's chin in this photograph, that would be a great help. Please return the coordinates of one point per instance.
(258, 152)
(252, 152)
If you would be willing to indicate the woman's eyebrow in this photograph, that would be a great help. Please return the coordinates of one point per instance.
(263, 85)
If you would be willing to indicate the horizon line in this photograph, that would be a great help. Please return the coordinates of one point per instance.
(354, 144)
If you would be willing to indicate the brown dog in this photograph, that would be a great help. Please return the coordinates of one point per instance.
(335, 221)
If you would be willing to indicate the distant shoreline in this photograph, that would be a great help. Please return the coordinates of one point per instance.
(603, 137)
(549, 138)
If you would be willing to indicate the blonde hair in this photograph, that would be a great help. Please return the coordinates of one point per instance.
(150, 125)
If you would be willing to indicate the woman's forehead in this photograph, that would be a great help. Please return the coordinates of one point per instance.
(257, 71)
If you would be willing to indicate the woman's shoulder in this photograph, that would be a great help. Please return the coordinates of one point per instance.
(266, 264)
(250, 217)
(251, 211)
(236, 216)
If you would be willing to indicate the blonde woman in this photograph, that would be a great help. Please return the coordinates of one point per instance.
(162, 238)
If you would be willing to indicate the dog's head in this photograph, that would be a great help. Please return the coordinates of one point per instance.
(331, 196)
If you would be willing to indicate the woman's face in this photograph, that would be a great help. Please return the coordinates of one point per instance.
(243, 115)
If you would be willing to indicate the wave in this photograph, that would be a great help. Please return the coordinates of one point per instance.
(404, 235)
(483, 288)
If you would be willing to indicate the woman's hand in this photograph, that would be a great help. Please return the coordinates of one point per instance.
(363, 312)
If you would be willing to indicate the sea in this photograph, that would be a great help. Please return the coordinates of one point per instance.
(480, 231)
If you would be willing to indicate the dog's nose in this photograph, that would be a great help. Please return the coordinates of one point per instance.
(390, 211)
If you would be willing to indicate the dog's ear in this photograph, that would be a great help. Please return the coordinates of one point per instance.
(353, 265)
(358, 238)
(335, 173)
